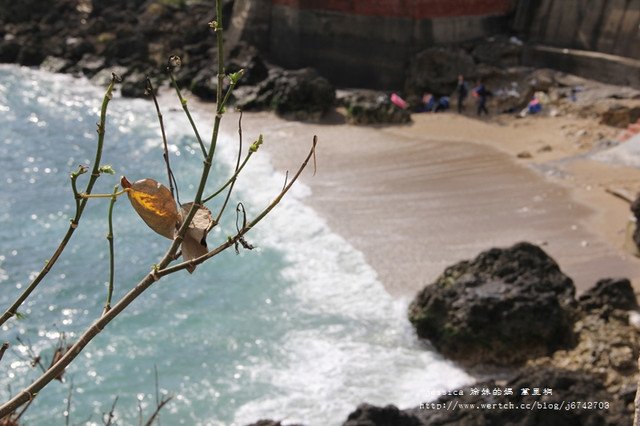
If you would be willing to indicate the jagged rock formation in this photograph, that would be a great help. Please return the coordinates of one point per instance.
(505, 306)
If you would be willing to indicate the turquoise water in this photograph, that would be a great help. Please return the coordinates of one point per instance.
(298, 329)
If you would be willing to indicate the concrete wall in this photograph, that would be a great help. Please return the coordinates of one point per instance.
(607, 26)
(598, 39)
(364, 43)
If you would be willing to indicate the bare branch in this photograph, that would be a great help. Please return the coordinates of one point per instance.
(107, 304)
(33, 358)
(231, 179)
(174, 61)
(110, 415)
(155, 414)
(3, 349)
(235, 174)
(165, 154)
(67, 413)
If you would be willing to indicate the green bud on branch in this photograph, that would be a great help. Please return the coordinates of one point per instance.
(254, 146)
(236, 76)
(108, 169)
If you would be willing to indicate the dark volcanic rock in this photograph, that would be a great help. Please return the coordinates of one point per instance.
(371, 107)
(370, 415)
(300, 94)
(566, 386)
(505, 306)
(609, 293)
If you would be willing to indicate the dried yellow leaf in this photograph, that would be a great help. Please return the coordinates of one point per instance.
(154, 204)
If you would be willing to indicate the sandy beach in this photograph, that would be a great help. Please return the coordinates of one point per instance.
(417, 198)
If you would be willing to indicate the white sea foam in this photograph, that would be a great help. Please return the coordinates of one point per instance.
(358, 346)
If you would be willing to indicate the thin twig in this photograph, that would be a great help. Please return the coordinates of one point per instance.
(24, 409)
(231, 179)
(112, 268)
(226, 200)
(160, 402)
(155, 374)
(67, 413)
(164, 138)
(33, 357)
(232, 86)
(3, 349)
(110, 415)
(183, 102)
(155, 414)
(80, 205)
(117, 194)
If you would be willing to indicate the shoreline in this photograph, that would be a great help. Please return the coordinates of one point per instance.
(417, 198)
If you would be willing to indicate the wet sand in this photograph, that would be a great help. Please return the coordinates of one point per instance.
(420, 197)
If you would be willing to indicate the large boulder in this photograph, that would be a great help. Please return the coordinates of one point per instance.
(504, 307)
(372, 107)
(302, 94)
(295, 94)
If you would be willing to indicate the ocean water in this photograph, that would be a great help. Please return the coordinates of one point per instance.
(299, 329)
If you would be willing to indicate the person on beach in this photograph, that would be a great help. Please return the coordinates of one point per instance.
(443, 104)
(462, 92)
(428, 103)
(481, 93)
